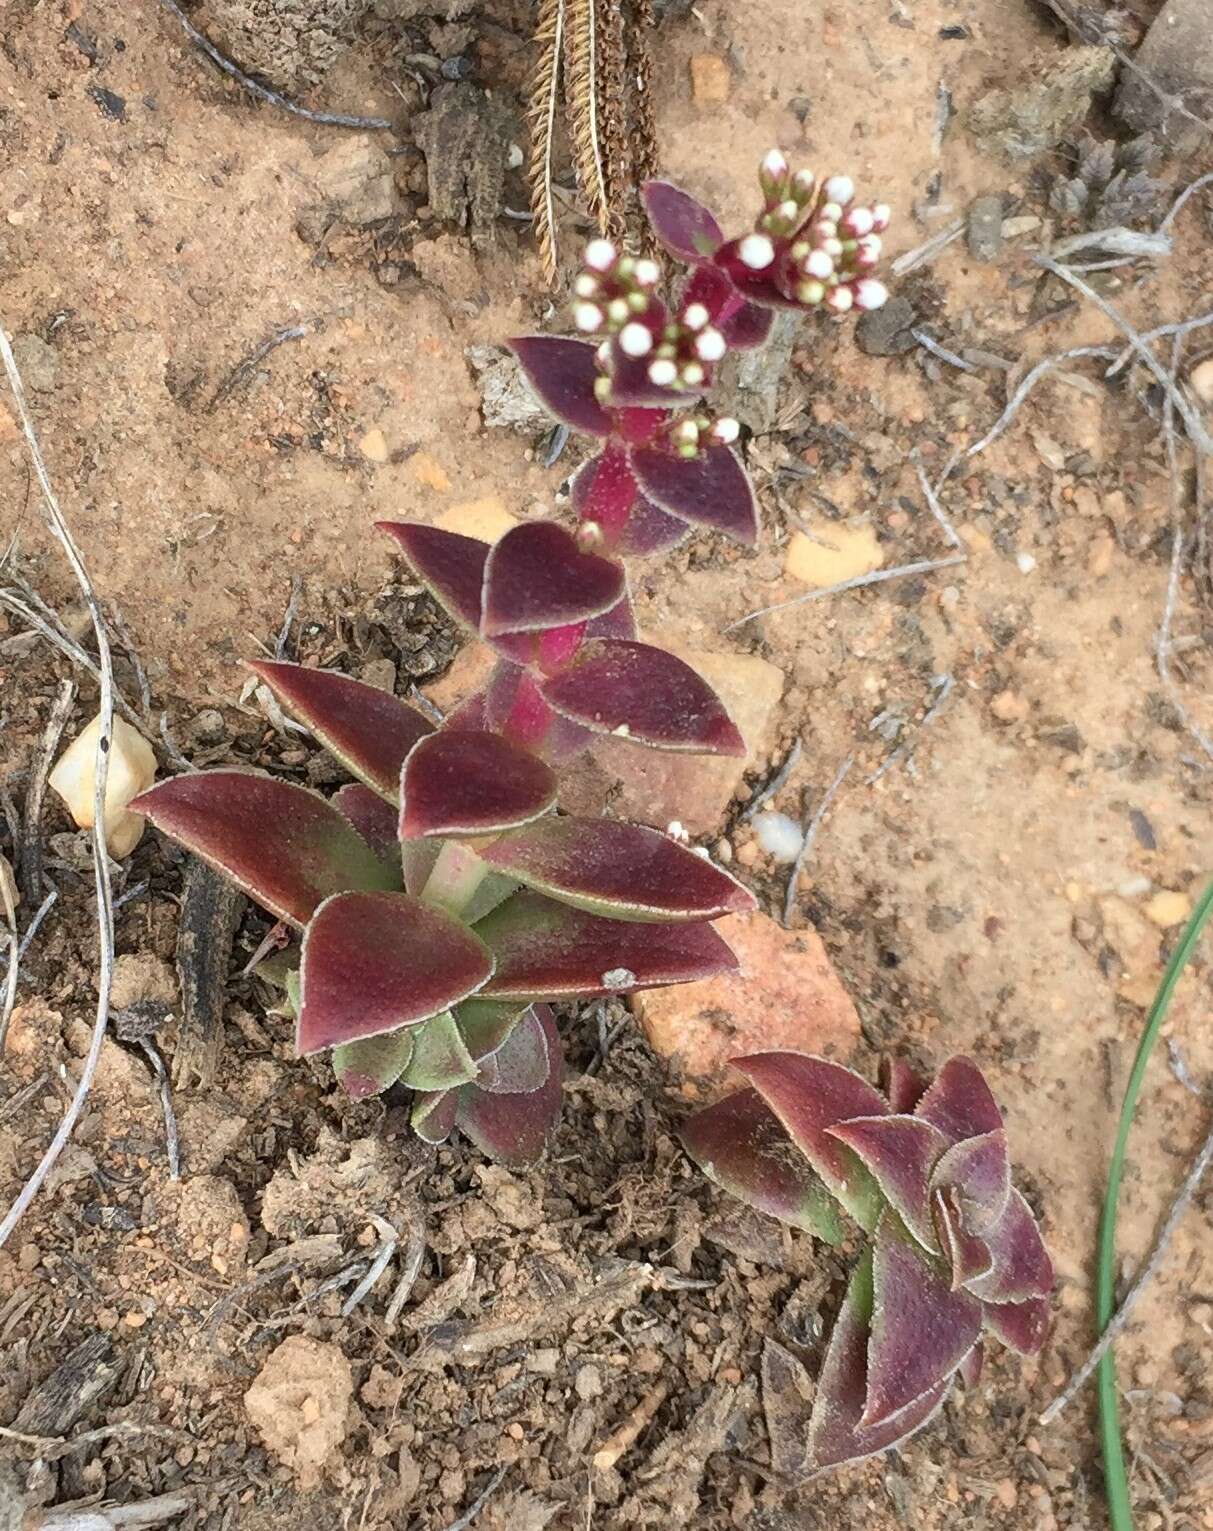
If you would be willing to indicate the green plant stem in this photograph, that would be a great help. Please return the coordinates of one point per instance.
(1116, 1479)
(457, 874)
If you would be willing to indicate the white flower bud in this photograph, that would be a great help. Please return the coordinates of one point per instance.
(635, 339)
(663, 372)
(840, 299)
(818, 264)
(696, 316)
(726, 431)
(840, 189)
(710, 346)
(647, 273)
(869, 293)
(859, 221)
(587, 317)
(586, 285)
(756, 251)
(881, 215)
(775, 166)
(600, 254)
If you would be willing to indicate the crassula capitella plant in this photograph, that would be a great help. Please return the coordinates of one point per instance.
(923, 1169)
(443, 900)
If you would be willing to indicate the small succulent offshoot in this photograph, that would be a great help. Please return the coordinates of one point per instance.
(924, 1171)
(442, 900)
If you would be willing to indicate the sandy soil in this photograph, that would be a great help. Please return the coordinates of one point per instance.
(992, 893)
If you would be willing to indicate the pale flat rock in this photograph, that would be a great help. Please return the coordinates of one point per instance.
(786, 995)
(487, 520)
(831, 551)
(300, 1405)
(1177, 55)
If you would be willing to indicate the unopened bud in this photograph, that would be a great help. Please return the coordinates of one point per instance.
(870, 293)
(881, 215)
(726, 431)
(696, 316)
(840, 299)
(663, 372)
(818, 264)
(602, 389)
(692, 374)
(647, 273)
(586, 285)
(804, 183)
(840, 189)
(859, 221)
(756, 251)
(600, 254)
(635, 339)
(810, 293)
(618, 311)
(774, 167)
(710, 346)
(587, 317)
(867, 251)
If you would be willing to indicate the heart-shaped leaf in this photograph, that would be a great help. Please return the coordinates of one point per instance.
(739, 1143)
(712, 489)
(620, 870)
(370, 731)
(1021, 1265)
(537, 577)
(563, 373)
(546, 950)
(450, 566)
(810, 1095)
(458, 782)
(900, 1151)
(376, 821)
(836, 1434)
(645, 694)
(650, 530)
(522, 1063)
(433, 1115)
(512, 1129)
(959, 1102)
(921, 1329)
(684, 226)
(1021, 1326)
(440, 1059)
(373, 962)
(369, 1066)
(288, 848)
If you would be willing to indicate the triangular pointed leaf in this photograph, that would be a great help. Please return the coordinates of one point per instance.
(287, 847)
(904, 1086)
(418, 858)
(1021, 1326)
(459, 782)
(486, 1024)
(450, 565)
(959, 1102)
(1021, 1264)
(537, 578)
(513, 1129)
(603, 491)
(967, 1254)
(563, 373)
(683, 225)
(369, 1066)
(740, 1144)
(645, 694)
(376, 821)
(808, 1095)
(546, 950)
(900, 1152)
(650, 530)
(373, 962)
(521, 1065)
(433, 1115)
(440, 1059)
(712, 489)
(619, 870)
(369, 730)
(746, 327)
(979, 1170)
(835, 1432)
(921, 1329)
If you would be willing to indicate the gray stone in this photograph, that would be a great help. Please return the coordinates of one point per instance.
(886, 331)
(505, 395)
(355, 180)
(37, 363)
(985, 228)
(1177, 56)
(1024, 122)
(749, 381)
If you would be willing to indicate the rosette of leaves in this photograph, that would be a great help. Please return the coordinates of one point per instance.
(1113, 184)
(924, 1171)
(441, 902)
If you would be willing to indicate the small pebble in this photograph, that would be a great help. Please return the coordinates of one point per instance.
(723, 851)
(1168, 908)
(1025, 562)
(588, 1382)
(1201, 380)
(779, 836)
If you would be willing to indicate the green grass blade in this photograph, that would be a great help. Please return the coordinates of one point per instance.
(1116, 1478)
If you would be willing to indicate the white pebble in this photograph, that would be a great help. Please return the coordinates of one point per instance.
(1025, 562)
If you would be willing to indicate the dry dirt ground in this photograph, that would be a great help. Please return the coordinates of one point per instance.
(990, 893)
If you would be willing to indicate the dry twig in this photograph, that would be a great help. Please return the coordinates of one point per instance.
(623, 1439)
(810, 835)
(478, 1504)
(876, 577)
(101, 870)
(8, 897)
(31, 839)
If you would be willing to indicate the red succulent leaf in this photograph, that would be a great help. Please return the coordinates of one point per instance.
(746, 327)
(440, 1059)
(471, 713)
(370, 731)
(367, 1067)
(959, 1102)
(522, 1063)
(759, 286)
(433, 1114)
(450, 566)
(645, 694)
(563, 373)
(512, 1129)
(620, 870)
(633, 388)
(462, 783)
(375, 819)
(603, 491)
(810, 1095)
(740, 1144)
(546, 950)
(711, 489)
(1021, 1326)
(968, 1254)
(979, 1170)
(651, 530)
(1021, 1264)
(486, 1024)
(900, 1152)
(921, 1329)
(418, 857)
(683, 225)
(537, 578)
(971, 1366)
(288, 848)
(836, 1433)
(373, 962)
(904, 1086)
(619, 622)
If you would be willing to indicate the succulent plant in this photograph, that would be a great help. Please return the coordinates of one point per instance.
(924, 1170)
(442, 898)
